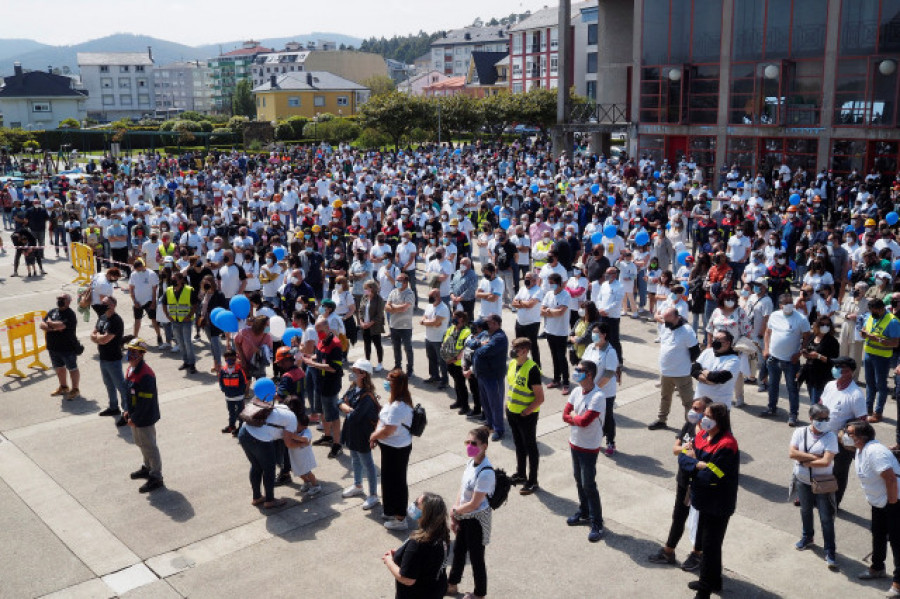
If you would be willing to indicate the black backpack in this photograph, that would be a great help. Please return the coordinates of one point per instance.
(502, 486)
(419, 420)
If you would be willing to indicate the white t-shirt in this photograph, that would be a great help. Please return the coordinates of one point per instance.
(738, 248)
(270, 289)
(605, 359)
(722, 392)
(873, 459)
(397, 414)
(281, 416)
(444, 267)
(523, 244)
(806, 440)
(101, 287)
(590, 436)
(478, 478)
(526, 316)
(148, 251)
(494, 287)
(787, 333)
(557, 325)
(404, 252)
(674, 358)
(547, 270)
(303, 460)
(436, 334)
(229, 280)
(251, 269)
(843, 406)
(143, 283)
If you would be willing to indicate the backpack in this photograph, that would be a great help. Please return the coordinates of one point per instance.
(257, 411)
(419, 420)
(501, 487)
(448, 348)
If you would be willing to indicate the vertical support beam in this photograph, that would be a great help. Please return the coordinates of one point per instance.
(561, 140)
(828, 84)
(724, 89)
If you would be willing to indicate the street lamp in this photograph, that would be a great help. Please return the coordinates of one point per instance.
(675, 74)
(771, 71)
(316, 128)
(887, 66)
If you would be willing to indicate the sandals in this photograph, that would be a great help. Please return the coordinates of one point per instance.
(257, 501)
(273, 504)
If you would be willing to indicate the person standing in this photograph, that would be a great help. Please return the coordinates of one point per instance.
(603, 354)
(329, 361)
(393, 437)
(881, 333)
(584, 413)
(361, 410)
(107, 334)
(717, 369)
(523, 405)
(400, 307)
(63, 346)
(406, 261)
(458, 332)
(555, 312)
(488, 363)
(418, 565)
(878, 470)
(436, 321)
(462, 288)
(142, 414)
(527, 305)
(713, 464)
(179, 309)
(490, 291)
(786, 332)
(678, 349)
(609, 296)
(845, 402)
(142, 285)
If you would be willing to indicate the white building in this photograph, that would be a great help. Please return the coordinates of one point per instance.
(416, 84)
(450, 54)
(584, 22)
(40, 100)
(182, 86)
(119, 84)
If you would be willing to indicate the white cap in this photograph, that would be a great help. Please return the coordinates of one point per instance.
(363, 365)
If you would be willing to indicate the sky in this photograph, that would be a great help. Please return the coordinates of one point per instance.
(75, 21)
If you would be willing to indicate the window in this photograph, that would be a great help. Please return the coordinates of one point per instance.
(140, 68)
(846, 155)
(40, 107)
(142, 82)
(125, 99)
(104, 69)
(106, 82)
(109, 99)
(517, 88)
(591, 62)
(592, 34)
(124, 83)
(16, 124)
(517, 43)
(144, 99)
(554, 65)
(318, 100)
(554, 38)
(123, 69)
(591, 90)
(293, 101)
(343, 101)
(264, 101)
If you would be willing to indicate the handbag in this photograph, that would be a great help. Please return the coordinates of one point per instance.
(822, 484)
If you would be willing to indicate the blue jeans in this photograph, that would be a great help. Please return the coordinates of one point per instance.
(114, 379)
(182, 333)
(402, 338)
(359, 461)
(492, 394)
(825, 504)
(877, 369)
(584, 466)
(215, 346)
(642, 288)
(263, 458)
(815, 394)
(776, 367)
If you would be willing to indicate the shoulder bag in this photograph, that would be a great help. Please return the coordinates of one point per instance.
(822, 484)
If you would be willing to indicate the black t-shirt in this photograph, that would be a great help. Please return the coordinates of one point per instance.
(505, 253)
(685, 435)
(424, 563)
(63, 341)
(333, 356)
(111, 325)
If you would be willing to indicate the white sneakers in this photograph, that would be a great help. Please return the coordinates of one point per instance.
(353, 491)
(313, 490)
(378, 368)
(370, 502)
(394, 524)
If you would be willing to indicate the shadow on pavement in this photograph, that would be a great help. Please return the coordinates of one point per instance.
(34, 376)
(171, 503)
(642, 463)
(856, 519)
(79, 406)
(124, 432)
(561, 506)
(775, 492)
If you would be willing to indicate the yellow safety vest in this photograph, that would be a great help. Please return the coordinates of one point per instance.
(166, 251)
(180, 308)
(877, 328)
(542, 246)
(520, 394)
(460, 341)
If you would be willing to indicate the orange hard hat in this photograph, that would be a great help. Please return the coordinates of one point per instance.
(282, 353)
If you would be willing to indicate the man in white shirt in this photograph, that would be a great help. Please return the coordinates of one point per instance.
(608, 297)
(758, 308)
(846, 402)
(439, 270)
(738, 252)
(555, 312)
(527, 303)
(435, 320)
(406, 261)
(142, 286)
(678, 349)
(786, 332)
(717, 369)
(490, 292)
(232, 279)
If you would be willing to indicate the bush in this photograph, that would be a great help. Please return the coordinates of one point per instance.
(297, 124)
(326, 116)
(372, 138)
(284, 130)
(205, 126)
(69, 123)
(221, 135)
(31, 145)
(191, 126)
(419, 135)
(236, 124)
(192, 115)
(333, 131)
(167, 125)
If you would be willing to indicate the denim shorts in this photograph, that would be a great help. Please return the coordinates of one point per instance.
(68, 360)
(330, 410)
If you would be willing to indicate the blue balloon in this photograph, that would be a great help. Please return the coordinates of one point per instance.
(264, 389)
(656, 174)
(279, 253)
(897, 265)
(496, 210)
(795, 199)
(793, 265)
(610, 231)
(849, 229)
(642, 239)
(595, 189)
(289, 335)
(215, 314)
(535, 188)
(227, 321)
(892, 218)
(651, 200)
(597, 238)
(457, 151)
(478, 193)
(504, 223)
(682, 258)
(240, 306)
(611, 200)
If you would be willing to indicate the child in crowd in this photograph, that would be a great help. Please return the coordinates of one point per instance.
(303, 460)
(233, 383)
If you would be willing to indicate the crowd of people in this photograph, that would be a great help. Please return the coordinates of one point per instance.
(750, 279)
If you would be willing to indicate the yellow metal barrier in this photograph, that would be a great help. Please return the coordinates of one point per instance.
(83, 262)
(22, 336)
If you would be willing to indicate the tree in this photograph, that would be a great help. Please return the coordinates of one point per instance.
(379, 84)
(242, 103)
(459, 114)
(499, 110)
(396, 114)
(69, 123)
(539, 107)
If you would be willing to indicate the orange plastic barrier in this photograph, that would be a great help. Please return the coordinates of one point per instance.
(83, 262)
(22, 338)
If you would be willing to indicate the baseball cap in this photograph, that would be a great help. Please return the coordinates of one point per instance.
(842, 361)
(362, 364)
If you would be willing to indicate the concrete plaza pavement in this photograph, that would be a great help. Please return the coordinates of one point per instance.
(74, 525)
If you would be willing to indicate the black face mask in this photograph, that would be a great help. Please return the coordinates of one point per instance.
(716, 345)
(671, 325)
(513, 354)
(60, 303)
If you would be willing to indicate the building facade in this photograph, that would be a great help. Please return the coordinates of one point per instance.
(811, 84)
(182, 86)
(230, 68)
(584, 29)
(416, 84)
(119, 84)
(349, 64)
(450, 54)
(40, 100)
(308, 94)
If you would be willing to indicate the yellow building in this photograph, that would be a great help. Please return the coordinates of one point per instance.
(307, 94)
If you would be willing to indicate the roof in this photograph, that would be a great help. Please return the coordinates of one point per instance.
(105, 59)
(485, 65)
(451, 83)
(477, 35)
(503, 62)
(39, 84)
(322, 80)
(547, 17)
(293, 56)
(248, 51)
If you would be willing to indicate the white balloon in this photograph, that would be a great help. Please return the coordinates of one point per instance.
(277, 327)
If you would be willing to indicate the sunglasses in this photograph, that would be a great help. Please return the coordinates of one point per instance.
(473, 443)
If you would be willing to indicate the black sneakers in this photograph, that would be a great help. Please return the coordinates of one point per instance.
(151, 485)
(144, 472)
(110, 412)
(662, 557)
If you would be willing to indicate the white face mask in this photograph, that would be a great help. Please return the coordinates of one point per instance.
(729, 303)
(788, 309)
(848, 442)
(824, 329)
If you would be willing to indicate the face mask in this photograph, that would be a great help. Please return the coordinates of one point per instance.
(694, 417)
(398, 284)
(848, 442)
(729, 303)
(60, 303)
(716, 345)
(386, 385)
(745, 293)
(578, 376)
(821, 425)
(581, 312)
(472, 451)
(270, 261)
(824, 329)
(788, 309)
(836, 372)
(707, 423)
(295, 281)
(134, 355)
(351, 377)
(413, 511)
(577, 272)
(463, 268)
(513, 354)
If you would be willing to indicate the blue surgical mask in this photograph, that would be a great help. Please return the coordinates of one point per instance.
(413, 511)
(694, 417)
(707, 423)
(578, 376)
(595, 337)
(822, 425)
(386, 385)
(398, 284)
(836, 372)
